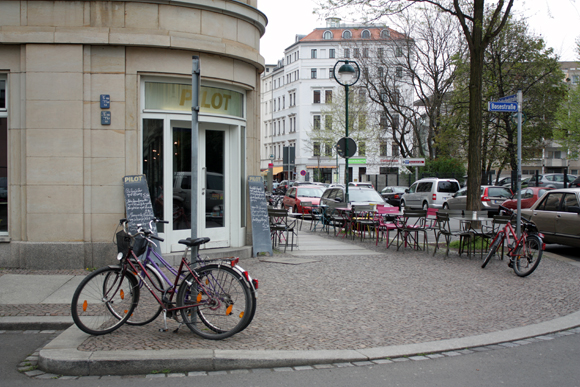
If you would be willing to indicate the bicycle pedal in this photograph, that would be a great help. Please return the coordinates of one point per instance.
(511, 264)
(162, 330)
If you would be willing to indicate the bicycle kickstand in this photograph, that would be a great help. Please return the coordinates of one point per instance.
(164, 329)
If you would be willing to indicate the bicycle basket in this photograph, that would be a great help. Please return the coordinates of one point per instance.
(123, 242)
(140, 246)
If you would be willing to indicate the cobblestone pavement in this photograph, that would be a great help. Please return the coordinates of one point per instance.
(370, 301)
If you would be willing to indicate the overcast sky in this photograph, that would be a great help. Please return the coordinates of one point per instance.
(558, 21)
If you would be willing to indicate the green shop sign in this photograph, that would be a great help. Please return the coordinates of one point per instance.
(177, 97)
(357, 160)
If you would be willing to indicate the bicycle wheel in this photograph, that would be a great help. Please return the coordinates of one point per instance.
(93, 298)
(148, 307)
(221, 302)
(492, 249)
(528, 257)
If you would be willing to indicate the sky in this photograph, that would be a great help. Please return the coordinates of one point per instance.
(557, 21)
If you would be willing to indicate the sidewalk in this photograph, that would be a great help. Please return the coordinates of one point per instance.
(331, 300)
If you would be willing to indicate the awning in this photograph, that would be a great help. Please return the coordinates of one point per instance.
(275, 171)
(321, 167)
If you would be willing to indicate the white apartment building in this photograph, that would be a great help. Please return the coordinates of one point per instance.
(295, 93)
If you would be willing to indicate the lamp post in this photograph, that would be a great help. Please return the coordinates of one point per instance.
(346, 76)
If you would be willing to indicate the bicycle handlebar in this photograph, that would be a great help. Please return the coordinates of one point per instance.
(511, 213)
(146, 233)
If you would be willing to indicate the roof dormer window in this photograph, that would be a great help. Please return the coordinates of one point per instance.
(385, 34)
(327, 35)
(347, 34)
(366, 34)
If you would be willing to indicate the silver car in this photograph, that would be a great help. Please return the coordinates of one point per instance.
(491, 197)
(557, 216)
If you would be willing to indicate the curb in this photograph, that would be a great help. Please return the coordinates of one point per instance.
(16, 323)
(61, 356)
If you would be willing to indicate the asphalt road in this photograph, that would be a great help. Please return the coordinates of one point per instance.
(565, 251)
(542, 363)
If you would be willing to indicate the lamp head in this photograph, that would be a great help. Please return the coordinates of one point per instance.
(347, 73)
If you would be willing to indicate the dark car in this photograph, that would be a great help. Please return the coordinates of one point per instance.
(557, 216)
(575, 183)
(393, 194)
(356, 195)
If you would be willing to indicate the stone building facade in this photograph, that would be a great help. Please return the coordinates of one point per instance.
(64, 151)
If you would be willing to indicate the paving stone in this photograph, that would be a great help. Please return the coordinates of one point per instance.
(400, 359)
(363, 363)
(323, 366)
(382, 361)
(197, 373)
(239, 372)
(435, 356)
(451, 353)
(282, 369)
(343, 365)
(214, 373)
(418, 358)
(303, 368)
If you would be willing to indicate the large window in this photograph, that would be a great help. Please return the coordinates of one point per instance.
(3, 155)
(313, 74)
(313, 54)
(316, 123)
(331, 53)
(316, 96)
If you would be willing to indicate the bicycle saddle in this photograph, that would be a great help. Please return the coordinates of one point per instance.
(195, 242)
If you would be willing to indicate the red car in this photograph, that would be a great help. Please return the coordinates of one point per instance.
(296, 195)
(530, 195)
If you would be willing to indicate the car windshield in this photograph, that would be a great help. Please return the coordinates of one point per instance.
(498, 192)
(310, 192)
(365, 195)
(447, 186)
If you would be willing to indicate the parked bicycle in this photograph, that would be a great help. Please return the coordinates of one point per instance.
(214, 298)
(525, 252)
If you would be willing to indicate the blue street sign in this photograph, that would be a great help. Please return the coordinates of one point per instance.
(105, 101)
(510, 107)
(509, 98)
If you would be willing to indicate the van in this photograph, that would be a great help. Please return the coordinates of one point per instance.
(429, 192)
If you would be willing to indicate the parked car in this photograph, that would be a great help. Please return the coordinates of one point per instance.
(575, 183)
(283, 187)
(530, 195)
(367, 184)
(295, 196)
(393, 195)
(429, 192)
(550, 180)
(503, 181)
(557, 216)
(356, 195)
(491, 197)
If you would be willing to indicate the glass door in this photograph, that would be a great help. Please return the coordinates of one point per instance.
(212, 210)
(214, 180)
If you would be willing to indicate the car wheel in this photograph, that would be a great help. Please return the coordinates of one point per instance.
(402, 205)
(425, 206)
(296, 209)
(445, 206)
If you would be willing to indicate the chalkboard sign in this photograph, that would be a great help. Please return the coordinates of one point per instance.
(138, 203)
(259, 211)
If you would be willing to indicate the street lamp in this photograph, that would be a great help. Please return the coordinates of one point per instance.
(346, 76)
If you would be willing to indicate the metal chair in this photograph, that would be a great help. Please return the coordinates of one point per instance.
(280, 225)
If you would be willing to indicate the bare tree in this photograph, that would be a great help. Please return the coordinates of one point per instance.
(478, 35)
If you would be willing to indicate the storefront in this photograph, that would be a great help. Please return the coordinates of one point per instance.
(167, 160)
(63, 152)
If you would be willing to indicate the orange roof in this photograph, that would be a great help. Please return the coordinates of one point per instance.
(316, 35)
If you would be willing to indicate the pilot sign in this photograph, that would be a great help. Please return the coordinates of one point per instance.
(341, 147)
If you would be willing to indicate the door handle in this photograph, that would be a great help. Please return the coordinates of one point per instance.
(204, 185)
